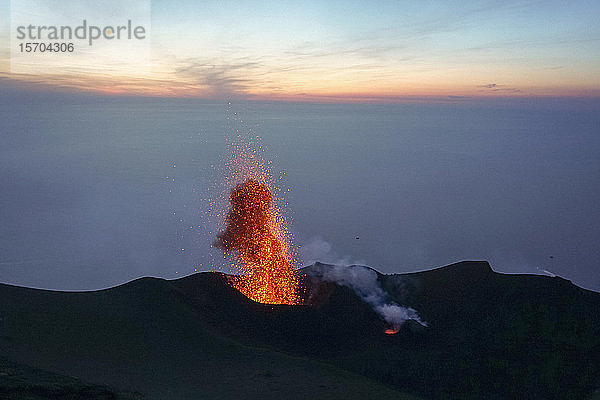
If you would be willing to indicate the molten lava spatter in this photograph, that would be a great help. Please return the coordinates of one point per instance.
(255, 235)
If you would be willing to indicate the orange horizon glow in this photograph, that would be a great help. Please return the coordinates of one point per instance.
(163, 88)
(322, 52)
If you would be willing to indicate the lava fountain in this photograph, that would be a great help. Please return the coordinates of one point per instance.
(255, 235)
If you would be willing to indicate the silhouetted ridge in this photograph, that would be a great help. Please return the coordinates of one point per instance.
(318, 268)
(488, 335)
(466, 271)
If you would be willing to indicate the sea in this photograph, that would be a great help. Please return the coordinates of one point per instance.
(96, 191)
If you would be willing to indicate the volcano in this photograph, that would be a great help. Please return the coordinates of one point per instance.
(488, 335)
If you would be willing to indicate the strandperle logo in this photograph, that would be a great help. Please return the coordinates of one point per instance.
(129, 31)
(80, 37)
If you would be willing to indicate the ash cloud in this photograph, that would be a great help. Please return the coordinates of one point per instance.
(363, 281)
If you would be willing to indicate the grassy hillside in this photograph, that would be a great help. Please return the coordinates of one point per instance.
(143, 337)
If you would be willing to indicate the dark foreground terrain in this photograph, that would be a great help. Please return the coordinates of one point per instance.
(489, 336)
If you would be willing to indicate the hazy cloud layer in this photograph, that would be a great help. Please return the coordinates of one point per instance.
(494, 87)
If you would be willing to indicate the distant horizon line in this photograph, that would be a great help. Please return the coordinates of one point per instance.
(30, 94)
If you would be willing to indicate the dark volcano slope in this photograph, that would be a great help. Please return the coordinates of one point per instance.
(513, 336)
(489, 336)
(342, 324)
(19, 382)
(144, 338)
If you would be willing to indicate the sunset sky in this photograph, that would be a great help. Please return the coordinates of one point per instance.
(350, 50)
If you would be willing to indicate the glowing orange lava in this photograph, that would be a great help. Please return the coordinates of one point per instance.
(391, 331)
(255, 236)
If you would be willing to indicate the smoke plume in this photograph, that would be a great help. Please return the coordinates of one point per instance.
(316, 249)
(363, 281)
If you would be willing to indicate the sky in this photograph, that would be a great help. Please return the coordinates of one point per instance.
(537, 62)
(340, 51)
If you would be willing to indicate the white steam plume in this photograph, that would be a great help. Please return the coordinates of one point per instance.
(363, 281)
